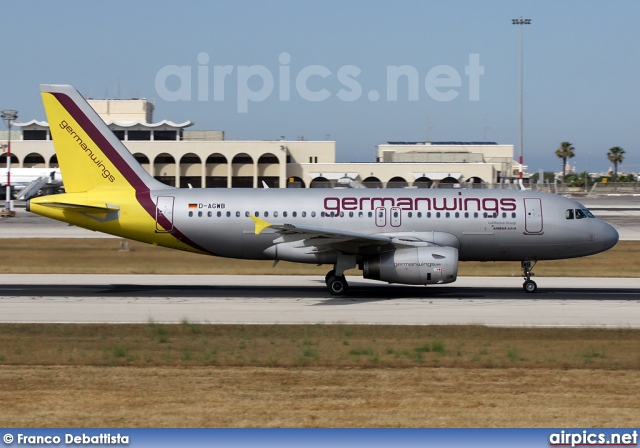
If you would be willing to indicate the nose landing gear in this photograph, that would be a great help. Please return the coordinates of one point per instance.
(528, 285)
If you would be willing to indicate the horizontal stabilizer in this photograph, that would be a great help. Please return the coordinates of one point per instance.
(81, 208)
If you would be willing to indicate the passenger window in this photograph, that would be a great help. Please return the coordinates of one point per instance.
(266, 214)
(199, 214)
(568, 214)
(256, 214)
(513, 215)
(438, 215)
(228, 214)
(294, 214)
(313, 214)
(419, 214)
(304, 214)
(246, 214)
(237, 214)
(466, 214)
(350, 214)
(446, 215)
(219, 214)
(284, 214)
(504, 215)
(409, 214)
(209, 214)
(275, 214)
(370, 214)
(190, 214)
(428, 214)
(360, 214)
(457, 215)
(342, 214)
(475, 214)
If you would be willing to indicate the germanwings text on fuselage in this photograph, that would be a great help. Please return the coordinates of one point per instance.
(335, 204)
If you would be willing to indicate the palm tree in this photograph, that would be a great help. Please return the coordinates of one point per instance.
(615, 156)
(565, 151)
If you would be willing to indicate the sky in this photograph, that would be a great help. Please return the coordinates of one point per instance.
(360, 73)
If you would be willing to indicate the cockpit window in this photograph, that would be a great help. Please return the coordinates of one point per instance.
(578, 214)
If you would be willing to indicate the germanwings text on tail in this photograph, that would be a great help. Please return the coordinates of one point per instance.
(407, 236)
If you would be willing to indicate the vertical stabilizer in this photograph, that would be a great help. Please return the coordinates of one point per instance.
(89, 154)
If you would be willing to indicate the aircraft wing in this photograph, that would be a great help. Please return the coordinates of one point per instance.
(343, 241)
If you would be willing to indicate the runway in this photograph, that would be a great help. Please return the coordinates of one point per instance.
(566, 302)
(300, 299)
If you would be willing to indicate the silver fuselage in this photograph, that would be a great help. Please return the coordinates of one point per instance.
(485, 225)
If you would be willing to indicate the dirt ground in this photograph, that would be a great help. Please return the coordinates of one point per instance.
(190, 375)
(68, 396)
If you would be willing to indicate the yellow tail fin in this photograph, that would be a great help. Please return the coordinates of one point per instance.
(89, 154)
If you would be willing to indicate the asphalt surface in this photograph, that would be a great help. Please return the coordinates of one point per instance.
(301, 299)
(563, 302)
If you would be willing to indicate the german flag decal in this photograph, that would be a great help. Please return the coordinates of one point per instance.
(193, 205)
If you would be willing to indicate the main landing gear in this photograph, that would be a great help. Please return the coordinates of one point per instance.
(336, 284)
(528, 285)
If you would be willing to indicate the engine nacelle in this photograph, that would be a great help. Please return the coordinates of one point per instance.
(414, 265)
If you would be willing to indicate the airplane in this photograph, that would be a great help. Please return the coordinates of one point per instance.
(404, 236)
(29, 181)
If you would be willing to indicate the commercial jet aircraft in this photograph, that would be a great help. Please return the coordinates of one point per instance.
(31, 180)
(407, 236)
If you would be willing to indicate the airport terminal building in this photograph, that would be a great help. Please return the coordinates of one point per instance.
(181, 157)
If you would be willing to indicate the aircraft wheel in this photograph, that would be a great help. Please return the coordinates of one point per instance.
(530, 286)
(330, 274)
(337, 285)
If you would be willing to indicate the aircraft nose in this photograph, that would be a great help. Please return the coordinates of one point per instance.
(609, 235)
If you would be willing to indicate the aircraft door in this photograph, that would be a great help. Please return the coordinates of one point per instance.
(396, 216)
(533, 216)
(381, 216)
(164, 214)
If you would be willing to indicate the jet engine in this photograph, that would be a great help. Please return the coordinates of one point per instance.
(414, 265)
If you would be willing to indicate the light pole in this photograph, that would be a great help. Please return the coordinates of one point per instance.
(521, 22)
(9, 115)
(586, 175)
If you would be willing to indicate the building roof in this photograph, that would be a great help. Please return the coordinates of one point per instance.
(122, 124)
(442, 143)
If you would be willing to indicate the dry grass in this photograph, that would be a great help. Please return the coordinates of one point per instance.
(64, 396)
(191, 375)
(307, 376)
(102, 256)
(334, 346)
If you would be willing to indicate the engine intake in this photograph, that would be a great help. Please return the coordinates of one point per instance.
(414, 265)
